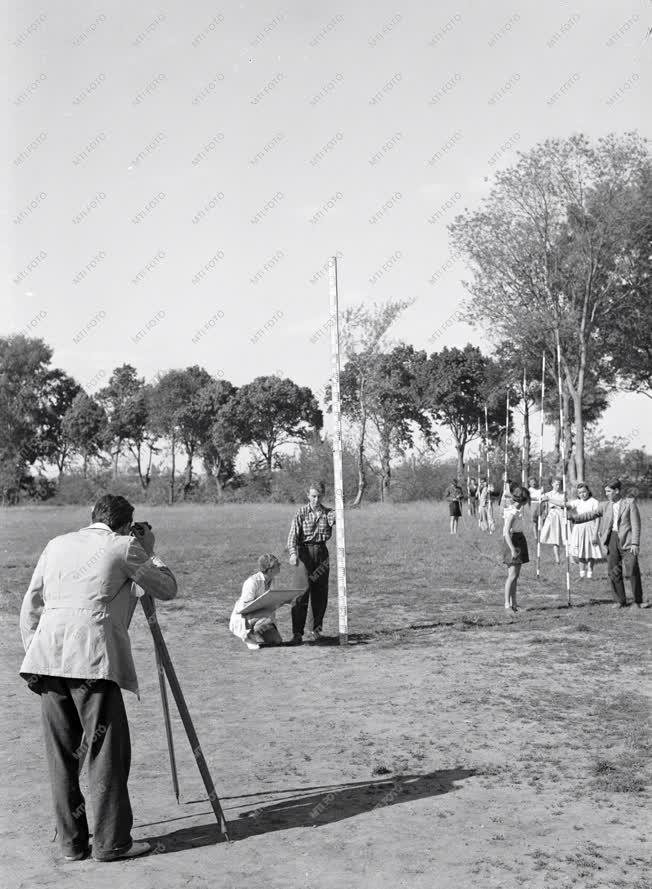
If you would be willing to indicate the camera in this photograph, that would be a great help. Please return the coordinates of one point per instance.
(138, 528)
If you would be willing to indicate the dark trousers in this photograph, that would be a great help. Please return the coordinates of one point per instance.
(72, 708)
(617, 559)
(315, 558)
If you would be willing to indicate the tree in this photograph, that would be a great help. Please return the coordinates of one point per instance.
(184, 407)
(26, 382)
(270, 413)
(455, 386)
(627, 340)
(58, 394)
(124, 415)
(382, 394)
(545, 249)
(219, 448)
(85, 427)
(363, 337)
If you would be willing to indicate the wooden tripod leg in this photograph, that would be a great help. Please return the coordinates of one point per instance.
(168, 726)
(177, 694)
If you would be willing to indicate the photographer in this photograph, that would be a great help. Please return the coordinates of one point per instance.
(74, 623)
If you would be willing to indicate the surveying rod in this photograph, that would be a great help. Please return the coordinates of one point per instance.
(337, 453)
(164, 655)
(543, 390)
(562, 443)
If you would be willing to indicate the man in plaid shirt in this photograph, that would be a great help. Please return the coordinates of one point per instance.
(311, 527)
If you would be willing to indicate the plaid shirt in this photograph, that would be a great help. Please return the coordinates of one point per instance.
(310, 526)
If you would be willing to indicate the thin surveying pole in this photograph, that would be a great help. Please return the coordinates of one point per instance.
(543, 392)
(524, 468)
(563, 469)
(490, 507)
(150, 613)
(337, 453)
(506, 435)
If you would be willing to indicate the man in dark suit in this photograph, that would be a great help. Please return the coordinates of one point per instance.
(619, 532)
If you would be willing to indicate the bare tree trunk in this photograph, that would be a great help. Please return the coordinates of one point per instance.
(172, 471)
(385, 471)
(460, 460)
(116, 457)
(85, 465)
(556, 448)
(362, 475)
(188, 483)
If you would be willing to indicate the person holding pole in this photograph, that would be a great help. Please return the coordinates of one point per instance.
(537, 507)
(619, 531)
(310, 530)
(515, 551)
(454, 495)
(584, 543)
(74, 623)
(553, 532)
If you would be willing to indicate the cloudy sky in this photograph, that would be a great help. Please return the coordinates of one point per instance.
(180, 173)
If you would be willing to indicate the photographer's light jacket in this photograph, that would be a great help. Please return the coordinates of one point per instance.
(75, 616)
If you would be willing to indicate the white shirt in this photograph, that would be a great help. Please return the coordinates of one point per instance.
(616, 508)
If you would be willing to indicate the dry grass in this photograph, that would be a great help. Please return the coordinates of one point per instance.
(450, 738)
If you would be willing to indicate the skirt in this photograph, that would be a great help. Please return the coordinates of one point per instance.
(553, 531)
(454, 509)
(520, 545)
(584, 546)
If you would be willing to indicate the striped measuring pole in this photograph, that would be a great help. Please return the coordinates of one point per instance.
(337, 453)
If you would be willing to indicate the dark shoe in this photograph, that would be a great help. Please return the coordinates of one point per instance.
(316, 636)
(134, 851)
(78, 856)
(619, 605)
(295, 640)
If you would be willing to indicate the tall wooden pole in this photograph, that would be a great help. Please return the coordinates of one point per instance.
(543, 392)
(337, 453)
(562, 428)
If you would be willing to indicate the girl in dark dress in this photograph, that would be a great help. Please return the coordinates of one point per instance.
(515, 552)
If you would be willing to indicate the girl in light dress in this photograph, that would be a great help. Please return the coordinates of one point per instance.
(515, 552)
(553, 532)
(485, 508)
(584, 544)
(538, 508)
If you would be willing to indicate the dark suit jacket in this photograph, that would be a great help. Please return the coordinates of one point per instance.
(629, 522)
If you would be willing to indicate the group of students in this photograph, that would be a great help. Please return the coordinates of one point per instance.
(602, 531)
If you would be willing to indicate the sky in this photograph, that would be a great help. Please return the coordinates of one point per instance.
(179, 174)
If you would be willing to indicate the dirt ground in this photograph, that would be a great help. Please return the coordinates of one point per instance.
(465, 747)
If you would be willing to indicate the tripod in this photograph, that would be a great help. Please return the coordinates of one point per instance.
(165, 668)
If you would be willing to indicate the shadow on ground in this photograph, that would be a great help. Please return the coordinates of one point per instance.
(313, 809)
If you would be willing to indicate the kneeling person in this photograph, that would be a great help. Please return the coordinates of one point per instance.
(258, 627)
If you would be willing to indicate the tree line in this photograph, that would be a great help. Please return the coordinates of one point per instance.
(558, 255)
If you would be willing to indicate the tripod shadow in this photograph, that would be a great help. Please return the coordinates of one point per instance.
(311, 809)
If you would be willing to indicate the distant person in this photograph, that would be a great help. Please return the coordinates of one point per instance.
(472, 495)
(257, 628)
(485, 508)
(584, 543)
(553, 532)
(515, 551)
(454, 495)
(619, 531)
(506, 496)
(74, 622)
(537, 511)
(310, 530)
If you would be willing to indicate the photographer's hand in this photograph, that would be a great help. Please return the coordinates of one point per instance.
(143, 533)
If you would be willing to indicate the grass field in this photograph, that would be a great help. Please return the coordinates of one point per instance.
(451, 744)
